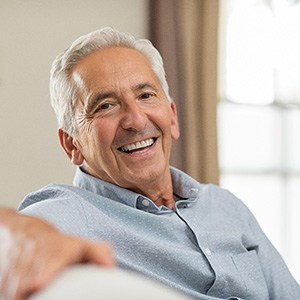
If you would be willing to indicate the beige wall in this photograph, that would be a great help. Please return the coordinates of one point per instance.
(31, 34)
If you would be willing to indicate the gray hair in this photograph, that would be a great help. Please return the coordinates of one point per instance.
(63, 90)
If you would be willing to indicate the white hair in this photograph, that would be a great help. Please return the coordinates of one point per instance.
(63, 90)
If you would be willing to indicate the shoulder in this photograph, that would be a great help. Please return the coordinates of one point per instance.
(206, 193)
(50, 192)
(221, 199)
(60, 205)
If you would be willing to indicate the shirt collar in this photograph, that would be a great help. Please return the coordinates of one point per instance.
(183, 188)
(104, 188)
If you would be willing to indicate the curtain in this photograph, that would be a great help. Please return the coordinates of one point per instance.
(185, 33)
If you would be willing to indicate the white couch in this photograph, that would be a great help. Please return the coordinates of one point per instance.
(90, 282)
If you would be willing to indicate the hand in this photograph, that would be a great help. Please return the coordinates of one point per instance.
(33, 252)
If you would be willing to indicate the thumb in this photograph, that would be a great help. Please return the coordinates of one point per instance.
(99, 253)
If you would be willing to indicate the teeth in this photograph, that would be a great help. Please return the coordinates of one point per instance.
(138, 145)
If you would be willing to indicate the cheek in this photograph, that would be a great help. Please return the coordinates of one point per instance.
(164, 121)
(102, 135)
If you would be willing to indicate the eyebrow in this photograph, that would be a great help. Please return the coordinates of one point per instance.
(142, 86)
(97, 98)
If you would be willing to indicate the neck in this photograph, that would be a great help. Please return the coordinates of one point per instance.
(159, 191)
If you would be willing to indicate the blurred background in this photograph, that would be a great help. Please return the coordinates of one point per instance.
(234, 72)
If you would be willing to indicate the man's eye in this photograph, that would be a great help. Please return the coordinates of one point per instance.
(146, 95)
(105, 106)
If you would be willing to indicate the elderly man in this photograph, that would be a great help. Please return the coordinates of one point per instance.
(116, 123)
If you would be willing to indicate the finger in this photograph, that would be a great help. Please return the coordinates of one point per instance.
(100, 253)
(72, 251)
(10, 250)
(23, 269)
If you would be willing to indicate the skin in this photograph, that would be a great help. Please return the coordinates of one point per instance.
(122, 103)
(33, 253)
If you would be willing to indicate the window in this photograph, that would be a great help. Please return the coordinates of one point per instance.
(259, 115)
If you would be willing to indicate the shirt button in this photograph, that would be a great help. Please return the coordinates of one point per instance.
(145, 202)
(207, 251)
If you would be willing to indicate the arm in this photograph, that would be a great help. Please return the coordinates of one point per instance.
(31, 247)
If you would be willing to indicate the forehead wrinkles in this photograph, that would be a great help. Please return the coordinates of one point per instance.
(118, 82)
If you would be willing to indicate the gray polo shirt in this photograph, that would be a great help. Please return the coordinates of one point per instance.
(210, 246)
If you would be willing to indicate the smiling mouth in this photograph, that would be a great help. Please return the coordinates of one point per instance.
(139, 146)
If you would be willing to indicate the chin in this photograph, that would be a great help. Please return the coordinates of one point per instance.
(148, 174)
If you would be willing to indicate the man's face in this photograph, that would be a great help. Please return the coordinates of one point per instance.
(125, 123)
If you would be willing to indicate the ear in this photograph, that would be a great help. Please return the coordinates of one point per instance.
(174, 122)
(68, 144)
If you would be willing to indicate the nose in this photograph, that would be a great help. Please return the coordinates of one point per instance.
(134, 118)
